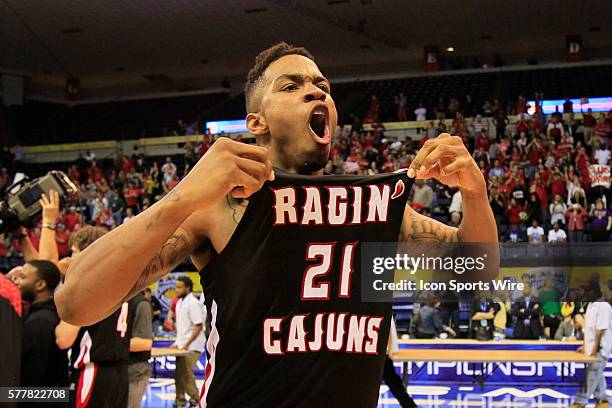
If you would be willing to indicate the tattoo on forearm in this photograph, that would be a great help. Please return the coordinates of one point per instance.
(429, 231)
(174, 250)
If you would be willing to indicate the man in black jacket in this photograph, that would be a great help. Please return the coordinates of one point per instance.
(526, 310)
(42, 362)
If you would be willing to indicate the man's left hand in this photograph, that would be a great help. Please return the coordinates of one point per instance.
(50, 207)
(446, 159)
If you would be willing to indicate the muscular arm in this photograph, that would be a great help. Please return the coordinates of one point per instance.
(478, 224)
(447, 160)
(124, 261)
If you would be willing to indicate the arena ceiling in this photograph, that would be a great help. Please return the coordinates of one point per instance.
(125, 46)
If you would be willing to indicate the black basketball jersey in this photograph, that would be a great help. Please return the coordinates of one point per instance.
(289, 328)
(107, 341)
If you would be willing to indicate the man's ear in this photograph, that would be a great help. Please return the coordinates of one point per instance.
(256, 124)
(40, 285)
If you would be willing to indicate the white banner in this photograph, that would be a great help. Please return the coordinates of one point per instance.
(600, 175)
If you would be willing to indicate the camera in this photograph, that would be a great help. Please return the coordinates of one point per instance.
(23, 204)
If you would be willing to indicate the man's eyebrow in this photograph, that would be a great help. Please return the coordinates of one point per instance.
(299, 78)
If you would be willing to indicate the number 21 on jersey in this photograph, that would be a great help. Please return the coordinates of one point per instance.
(314, 286)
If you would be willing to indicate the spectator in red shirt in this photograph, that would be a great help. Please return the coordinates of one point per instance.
(554, 130)
(514, 211)
(565, 145)
(132, 196)
(602, 131)
(374, 108)
(72, 219)
(521, 105)
(104, 217)
(576, 220)
(558, 185)
(523, 125)
(74, 175)
(62, 238)
(127, 164)
(482, 141)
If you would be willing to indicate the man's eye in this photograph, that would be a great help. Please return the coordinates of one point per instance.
(323, 87)
(290, 87)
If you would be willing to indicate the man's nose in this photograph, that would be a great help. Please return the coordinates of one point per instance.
(314, 94)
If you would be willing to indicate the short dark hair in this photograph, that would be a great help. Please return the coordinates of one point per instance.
(186, 281)
(263, 61)
(47, 271)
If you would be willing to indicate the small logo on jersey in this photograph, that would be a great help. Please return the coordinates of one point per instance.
(399, 189)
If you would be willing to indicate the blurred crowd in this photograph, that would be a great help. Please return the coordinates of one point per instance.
(538, 170)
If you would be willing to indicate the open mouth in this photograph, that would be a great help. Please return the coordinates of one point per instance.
(319, 125)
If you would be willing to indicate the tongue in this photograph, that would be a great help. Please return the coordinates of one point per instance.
(317, 123)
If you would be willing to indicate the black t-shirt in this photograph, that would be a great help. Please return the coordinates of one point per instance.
(289, 328)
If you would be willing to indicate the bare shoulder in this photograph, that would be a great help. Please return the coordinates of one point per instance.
(418, 228)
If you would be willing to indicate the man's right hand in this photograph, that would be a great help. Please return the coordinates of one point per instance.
(580, 349)
(227, 167)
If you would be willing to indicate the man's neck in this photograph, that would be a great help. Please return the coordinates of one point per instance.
(295, 170)
(41, 297)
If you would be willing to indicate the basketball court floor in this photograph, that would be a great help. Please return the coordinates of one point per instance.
(160, 394)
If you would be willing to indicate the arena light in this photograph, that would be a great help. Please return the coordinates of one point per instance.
(549, 106)
(227, 126)
(450, 49)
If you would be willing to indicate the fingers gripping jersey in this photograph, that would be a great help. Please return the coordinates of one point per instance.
(288, 325)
